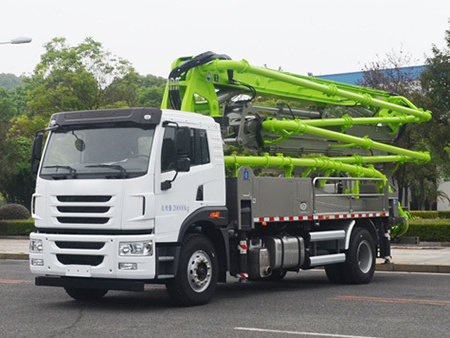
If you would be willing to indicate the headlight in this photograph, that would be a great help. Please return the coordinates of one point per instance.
(144, 248)
(36, 246)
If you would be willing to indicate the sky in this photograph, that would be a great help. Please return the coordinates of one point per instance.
(315, 36)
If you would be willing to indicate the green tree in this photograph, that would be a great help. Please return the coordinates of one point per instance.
(122, 92)
(83, 77)
(7, 108)
(16, 182)
(391, 75)
(151, 91)
(10, 81)
(435, 82)
(152, 80)
(151, 96)
(13, 103)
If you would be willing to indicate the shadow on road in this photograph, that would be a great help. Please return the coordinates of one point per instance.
(156, 298)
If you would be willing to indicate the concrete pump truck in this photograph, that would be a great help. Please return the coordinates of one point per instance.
(243, 170)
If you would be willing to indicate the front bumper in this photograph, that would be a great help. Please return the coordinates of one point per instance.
(90, 256)
(90, 283)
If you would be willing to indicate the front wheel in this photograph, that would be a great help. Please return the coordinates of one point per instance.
(85, 294)
(197, 274)
(276, 275)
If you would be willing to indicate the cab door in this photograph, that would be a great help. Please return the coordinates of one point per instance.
(179, 193)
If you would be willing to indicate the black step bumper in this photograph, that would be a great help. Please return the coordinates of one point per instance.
(91, 283)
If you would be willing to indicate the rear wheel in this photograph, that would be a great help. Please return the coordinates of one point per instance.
(197, 272)
(335, 273)
(359, 266)
(85, 294)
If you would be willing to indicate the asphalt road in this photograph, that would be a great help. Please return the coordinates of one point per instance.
(303, 305)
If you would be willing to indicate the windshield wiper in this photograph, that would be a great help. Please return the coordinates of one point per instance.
(71, 170)
(123, 172)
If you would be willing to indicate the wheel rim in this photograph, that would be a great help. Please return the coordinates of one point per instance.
(365, 257)
(199, 271)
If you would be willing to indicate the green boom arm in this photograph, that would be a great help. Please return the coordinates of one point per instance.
(206, 83)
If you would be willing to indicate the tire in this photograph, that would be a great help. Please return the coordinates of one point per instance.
(276, 275)
(335, 273)
(359, 265)
(197, 273)
(85, 295)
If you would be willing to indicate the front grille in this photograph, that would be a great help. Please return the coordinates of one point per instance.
(88, 198)
(84, 209)
(79, 245)
(83, 220)
(80, 260)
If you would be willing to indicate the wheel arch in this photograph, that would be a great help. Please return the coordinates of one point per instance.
(367, 224)
(206, 222)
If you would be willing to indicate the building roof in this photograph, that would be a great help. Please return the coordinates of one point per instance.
(353, 77)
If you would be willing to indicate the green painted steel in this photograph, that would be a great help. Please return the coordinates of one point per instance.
(317, 90)
(401, 229)
(288, 164)
(353, 164)
(205, 87)
(203, 81)
(300, 127)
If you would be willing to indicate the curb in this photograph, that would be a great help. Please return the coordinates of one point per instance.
(17, 256)
(15, 237)
(413, 268)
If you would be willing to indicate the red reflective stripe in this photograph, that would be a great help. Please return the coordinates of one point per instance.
(317, 217)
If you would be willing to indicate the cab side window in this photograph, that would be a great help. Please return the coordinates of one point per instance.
(199, 147)
(199, 152)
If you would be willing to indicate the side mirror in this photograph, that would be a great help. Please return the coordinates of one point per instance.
(182, 144)
(80, 145)
(36, 153)
(183, 147)
(183, 164)
(183, 141)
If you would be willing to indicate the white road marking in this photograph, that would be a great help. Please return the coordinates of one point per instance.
(298, 333)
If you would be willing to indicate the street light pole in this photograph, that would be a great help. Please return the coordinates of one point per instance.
(17, 41)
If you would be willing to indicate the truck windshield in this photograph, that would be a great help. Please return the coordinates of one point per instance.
(97, 152)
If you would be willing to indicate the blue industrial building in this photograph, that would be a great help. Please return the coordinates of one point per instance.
(353, 77)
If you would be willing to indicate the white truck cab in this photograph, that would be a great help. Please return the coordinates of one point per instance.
(112, 188)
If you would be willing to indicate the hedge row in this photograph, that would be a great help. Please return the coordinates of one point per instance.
(431, 214)
(438, 231)
(16, 228)
(426, 230)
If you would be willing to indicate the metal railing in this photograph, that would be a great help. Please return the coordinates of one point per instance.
(345, 197)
